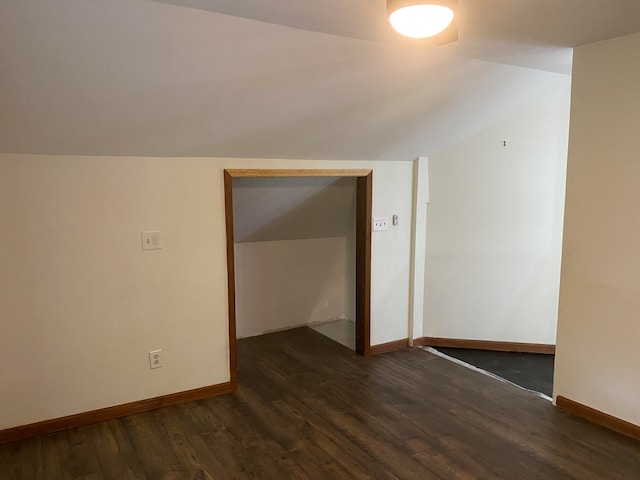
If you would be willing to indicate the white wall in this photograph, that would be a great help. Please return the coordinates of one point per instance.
(419, 246)
(81, 304)
(494, 228)
(598, 327)
(289, 283)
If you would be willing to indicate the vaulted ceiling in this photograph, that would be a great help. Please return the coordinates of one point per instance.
(321, 79)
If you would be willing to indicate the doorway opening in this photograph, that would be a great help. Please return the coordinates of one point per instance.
(362, 249)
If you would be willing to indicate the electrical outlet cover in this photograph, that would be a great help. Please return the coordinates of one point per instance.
(155, 358)
(380, 224)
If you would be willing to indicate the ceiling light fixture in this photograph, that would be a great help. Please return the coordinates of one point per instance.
(420, 18)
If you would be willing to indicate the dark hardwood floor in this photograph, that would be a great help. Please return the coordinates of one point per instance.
(307, 407)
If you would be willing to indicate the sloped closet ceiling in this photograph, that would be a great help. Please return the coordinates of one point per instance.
(267, 209)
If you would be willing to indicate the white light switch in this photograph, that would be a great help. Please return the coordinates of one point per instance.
(151, 240)
(380, 224)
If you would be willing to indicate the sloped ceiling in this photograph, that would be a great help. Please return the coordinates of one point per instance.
(267, 209)
(319, 79)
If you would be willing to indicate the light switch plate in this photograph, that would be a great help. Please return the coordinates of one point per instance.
(151, 240)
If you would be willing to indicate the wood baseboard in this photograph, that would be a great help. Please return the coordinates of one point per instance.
(419, 342)
(109, 413)
(388, 347)
(486, 345)
(596, 416)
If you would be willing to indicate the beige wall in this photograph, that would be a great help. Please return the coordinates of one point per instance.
(81, 305)
(598, 326)
(494, 228)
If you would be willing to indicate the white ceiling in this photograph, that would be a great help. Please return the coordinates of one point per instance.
(318, 79)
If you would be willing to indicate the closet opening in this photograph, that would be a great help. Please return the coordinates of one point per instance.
(361, 245)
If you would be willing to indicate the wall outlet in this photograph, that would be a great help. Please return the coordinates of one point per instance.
(380, 224)
(155, 358)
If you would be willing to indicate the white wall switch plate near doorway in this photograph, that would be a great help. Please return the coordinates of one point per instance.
(380, 224)
(151, 240)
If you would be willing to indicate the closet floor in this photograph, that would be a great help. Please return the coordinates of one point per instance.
(342, 331)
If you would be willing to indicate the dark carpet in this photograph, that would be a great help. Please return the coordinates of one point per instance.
(529, 370)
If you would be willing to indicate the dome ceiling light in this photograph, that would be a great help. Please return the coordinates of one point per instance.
(421, 18)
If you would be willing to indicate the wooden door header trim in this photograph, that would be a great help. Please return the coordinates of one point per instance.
(256, 172)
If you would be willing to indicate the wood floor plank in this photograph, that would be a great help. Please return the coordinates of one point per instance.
(309, 408)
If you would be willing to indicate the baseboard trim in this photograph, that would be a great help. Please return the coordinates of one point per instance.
(596, 416)
(487, 345)
(109, 413)
(419, 342)
(388, 347)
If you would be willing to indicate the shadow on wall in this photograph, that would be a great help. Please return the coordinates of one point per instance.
(267, 209)
(294, 252)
